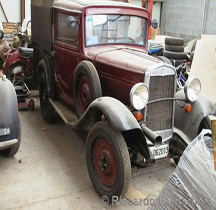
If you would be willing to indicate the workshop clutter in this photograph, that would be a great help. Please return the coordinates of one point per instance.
(193, 183)
(174, 50)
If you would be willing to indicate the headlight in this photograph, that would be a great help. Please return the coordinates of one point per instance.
(192, 89)
(139, 96)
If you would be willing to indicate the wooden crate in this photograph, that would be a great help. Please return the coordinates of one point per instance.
(10, 28)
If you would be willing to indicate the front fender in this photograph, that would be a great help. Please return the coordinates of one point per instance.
(187, 124)
(116, 113)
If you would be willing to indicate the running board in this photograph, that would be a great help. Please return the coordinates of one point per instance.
(66, 114)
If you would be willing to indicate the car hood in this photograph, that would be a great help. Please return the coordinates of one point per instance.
(123, 57)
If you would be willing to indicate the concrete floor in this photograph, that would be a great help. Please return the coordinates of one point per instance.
(49, 171)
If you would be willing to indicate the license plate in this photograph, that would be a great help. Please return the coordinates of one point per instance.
(4, 131)
(160, 152)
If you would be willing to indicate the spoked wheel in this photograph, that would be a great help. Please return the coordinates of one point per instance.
(108, 161)
(47, 110)
(86, 85)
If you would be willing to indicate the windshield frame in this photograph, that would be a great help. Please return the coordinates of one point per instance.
(145, 29)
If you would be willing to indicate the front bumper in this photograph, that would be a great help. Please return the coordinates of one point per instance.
(8, 144)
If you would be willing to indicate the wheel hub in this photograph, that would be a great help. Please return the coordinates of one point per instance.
(105, 163)
(84, 92)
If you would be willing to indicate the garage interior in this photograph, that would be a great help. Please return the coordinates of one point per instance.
(49, 171)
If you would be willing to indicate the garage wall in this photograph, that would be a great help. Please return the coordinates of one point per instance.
(186, 18)
(210, 26)
(12, 9)
(27, 8)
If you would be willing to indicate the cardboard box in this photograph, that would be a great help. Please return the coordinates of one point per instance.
(213, 127)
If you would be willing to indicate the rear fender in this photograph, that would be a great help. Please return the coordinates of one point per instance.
(187, 124)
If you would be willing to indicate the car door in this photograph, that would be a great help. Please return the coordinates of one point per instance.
(66, 56)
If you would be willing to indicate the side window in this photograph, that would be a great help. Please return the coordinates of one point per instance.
(65, 33)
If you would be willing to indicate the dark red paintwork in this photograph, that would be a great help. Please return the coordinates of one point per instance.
(14, 58)
(119, 66)
(105, 163)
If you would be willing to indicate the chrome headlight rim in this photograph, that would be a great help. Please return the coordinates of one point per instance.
(135, 93)
(188, 87)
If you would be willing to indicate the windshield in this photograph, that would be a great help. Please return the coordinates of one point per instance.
(123, 29)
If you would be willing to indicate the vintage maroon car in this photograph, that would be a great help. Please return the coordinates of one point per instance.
(92, 69)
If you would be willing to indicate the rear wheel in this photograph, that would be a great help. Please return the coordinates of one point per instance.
(108, 161)
(47, 111)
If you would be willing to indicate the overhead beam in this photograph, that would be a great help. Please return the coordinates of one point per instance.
(22, 10)
(4, 11)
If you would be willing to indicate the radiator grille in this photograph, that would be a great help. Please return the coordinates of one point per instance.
(159, 114)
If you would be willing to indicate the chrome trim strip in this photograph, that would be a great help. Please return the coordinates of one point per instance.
(7, 144)
(69, 10)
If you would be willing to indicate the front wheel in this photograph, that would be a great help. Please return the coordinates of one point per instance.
(108, 161)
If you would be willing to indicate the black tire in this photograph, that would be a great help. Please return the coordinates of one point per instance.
(176, 141)
(174, 41)
(177, 147)
(174, 48)
(175, 55)
(177, 62)
(113, 143)
(204, 125)
(164, 59)
(32, 104)
(86, 87)
(47, 111)
(9, 152)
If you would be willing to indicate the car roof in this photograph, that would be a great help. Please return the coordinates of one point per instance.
(81, 4)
